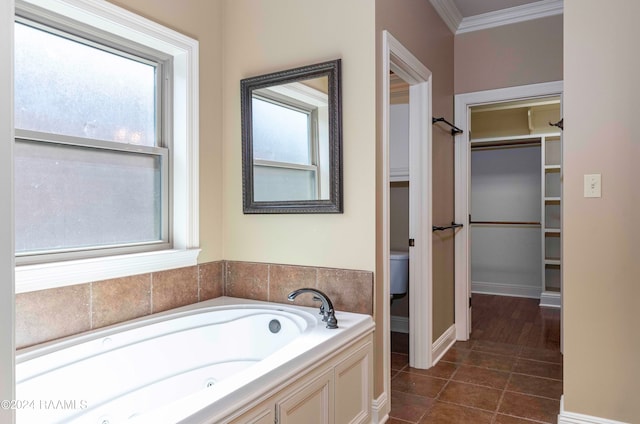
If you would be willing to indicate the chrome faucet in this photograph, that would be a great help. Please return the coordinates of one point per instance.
(326, 308)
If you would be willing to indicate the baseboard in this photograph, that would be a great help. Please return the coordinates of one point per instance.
(399, 324)
(380, 409)
(443, 344)
(550, 299)
(502, 289)
(566, 417)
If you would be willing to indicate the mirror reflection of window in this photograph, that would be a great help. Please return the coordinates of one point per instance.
(290, 142)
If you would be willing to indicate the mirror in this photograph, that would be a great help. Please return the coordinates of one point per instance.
(292, 141)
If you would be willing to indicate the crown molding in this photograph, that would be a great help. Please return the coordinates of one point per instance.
(449, 13)
(512, 15)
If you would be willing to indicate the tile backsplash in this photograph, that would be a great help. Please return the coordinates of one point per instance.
(54, 313)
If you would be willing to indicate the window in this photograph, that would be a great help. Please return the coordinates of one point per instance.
(288, 136)
(103, 141)
(90, 157)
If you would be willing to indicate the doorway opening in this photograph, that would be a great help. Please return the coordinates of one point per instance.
(500, 221)
(514, 221)
(410, 71)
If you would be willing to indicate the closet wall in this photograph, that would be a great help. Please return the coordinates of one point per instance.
(508, 188)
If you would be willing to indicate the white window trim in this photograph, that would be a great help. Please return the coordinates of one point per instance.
(185, 166)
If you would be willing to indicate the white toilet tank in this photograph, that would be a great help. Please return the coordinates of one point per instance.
(399, 272)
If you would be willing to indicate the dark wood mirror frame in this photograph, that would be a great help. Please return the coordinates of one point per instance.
(334, 204)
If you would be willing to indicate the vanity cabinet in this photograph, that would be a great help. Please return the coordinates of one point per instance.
(336, 391)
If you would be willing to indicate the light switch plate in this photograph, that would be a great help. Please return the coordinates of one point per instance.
(593, 185)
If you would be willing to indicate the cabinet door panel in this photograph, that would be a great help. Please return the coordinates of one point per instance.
(354, 388)
(310, 404)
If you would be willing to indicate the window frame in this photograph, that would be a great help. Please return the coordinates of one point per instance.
(114, 26)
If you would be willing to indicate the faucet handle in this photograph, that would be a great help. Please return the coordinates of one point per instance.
(322, 311)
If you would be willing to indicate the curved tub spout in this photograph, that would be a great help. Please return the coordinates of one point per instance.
(326, 309)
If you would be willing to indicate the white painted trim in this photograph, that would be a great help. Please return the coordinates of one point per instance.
(185, 150)
(399, 174)
(420, 225)
(551, 299)
(503, 289)
(380, 409)
(565, 417)
(7, 261)
(451, 16)
(449, 13)
(512, 15)
(399, 324)
(396, 58)
(58, 274)
(462, 184)
(443, 344)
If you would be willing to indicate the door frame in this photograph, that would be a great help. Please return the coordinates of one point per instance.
(401, 61)
(463, 103)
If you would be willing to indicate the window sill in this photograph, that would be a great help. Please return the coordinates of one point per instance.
(47, 276)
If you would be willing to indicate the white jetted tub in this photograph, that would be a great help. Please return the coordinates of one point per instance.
(194, 364)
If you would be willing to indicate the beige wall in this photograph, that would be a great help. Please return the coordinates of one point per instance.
(510, 55)
(601, 235)
(267, 36)
(419, 28)
(201, 20)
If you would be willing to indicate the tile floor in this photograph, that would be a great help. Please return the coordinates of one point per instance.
(479, 381)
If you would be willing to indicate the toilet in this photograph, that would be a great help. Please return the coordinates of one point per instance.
(399, 272)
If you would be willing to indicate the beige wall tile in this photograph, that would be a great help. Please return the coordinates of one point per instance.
(210, 280)
(247, 280)
(283, 279)
(120, 299)
(174, 288)
(50, 314)
(349, 290)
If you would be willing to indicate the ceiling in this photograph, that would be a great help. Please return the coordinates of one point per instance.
(478, 7)
(472, 15)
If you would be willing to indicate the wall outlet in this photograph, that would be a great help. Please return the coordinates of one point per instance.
(593, 185)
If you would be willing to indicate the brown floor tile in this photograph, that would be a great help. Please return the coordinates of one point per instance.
(481, 376)
(535, 386)
(440, 370)
(467, 345)
(538, 369)
(497, 348)
(456, 355)
(507, 419)
(471, 395)
(532, 407)
(446, 413)
(399, 360)
(546, 355)
(415, 384)
(392, 420)
(409, 407)
(489, 360)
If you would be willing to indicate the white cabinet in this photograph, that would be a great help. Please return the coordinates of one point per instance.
(399, 142)
(338, 390)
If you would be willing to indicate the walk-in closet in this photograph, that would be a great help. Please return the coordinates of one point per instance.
(516, 194)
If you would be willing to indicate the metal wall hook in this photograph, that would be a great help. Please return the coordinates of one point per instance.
(559, 124)
(454, 130)
(448, 227)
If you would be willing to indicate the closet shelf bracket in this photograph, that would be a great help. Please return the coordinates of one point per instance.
(454, 130)
(448, 227)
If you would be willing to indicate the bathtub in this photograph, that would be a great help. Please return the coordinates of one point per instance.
(193, 364)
